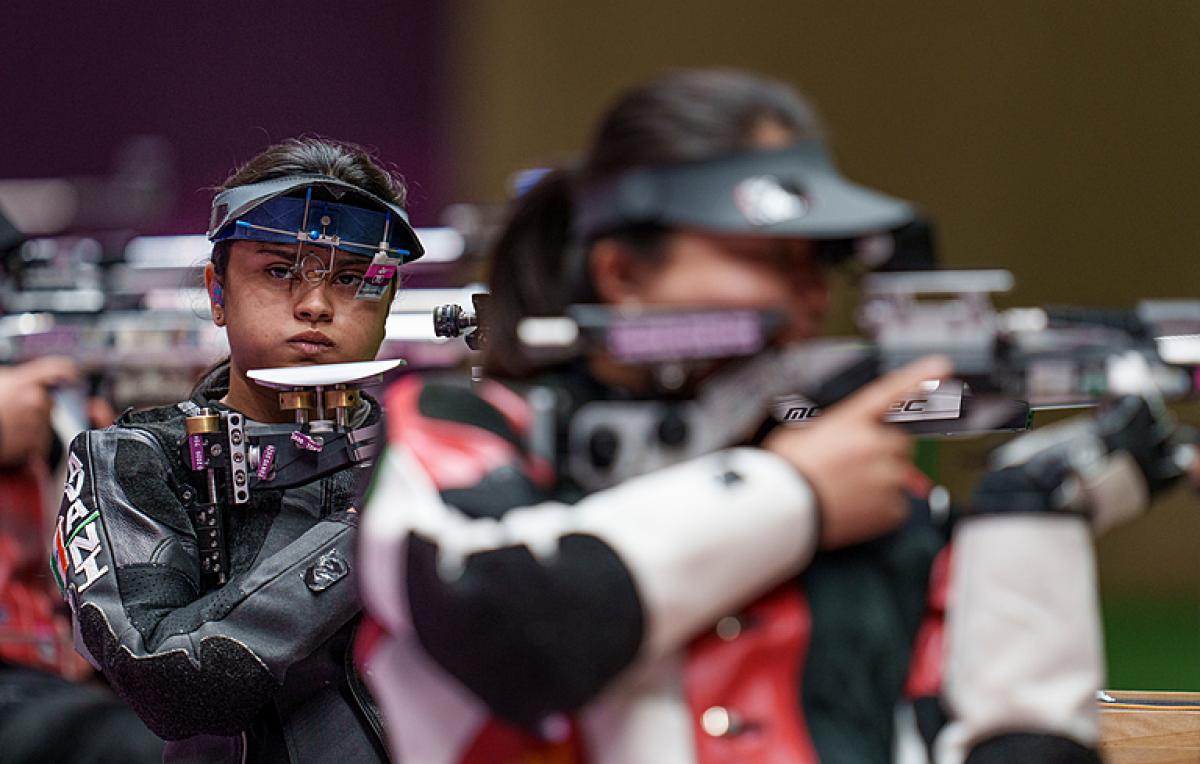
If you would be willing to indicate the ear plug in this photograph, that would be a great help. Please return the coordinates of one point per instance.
(218, 296)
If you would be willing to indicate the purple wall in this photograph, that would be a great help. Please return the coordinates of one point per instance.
(219, 81)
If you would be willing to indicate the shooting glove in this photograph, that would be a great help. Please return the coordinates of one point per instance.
(1107, 467)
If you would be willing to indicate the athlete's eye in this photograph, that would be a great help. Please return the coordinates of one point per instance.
(348, 279)
(280, 272)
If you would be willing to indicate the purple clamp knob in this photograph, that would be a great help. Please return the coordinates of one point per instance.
(307, 442)
(268, 461)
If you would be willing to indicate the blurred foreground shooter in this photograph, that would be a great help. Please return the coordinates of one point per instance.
(772, 601)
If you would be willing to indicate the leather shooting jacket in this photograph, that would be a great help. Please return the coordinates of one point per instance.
(259, 669)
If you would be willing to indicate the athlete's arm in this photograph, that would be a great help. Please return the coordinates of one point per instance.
(187, 662)
(536, 605)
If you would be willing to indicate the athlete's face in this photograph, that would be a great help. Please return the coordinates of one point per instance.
(275, 320)
(698, 268)
(711, 270)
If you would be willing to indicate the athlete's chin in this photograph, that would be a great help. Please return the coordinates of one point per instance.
(289, 357)
(800, 331)
(306, 354)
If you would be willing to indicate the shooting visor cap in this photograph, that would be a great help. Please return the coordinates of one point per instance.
(314, 209)
(795, 192)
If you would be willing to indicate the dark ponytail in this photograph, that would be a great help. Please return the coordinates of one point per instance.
(529, 271)
(538, 268)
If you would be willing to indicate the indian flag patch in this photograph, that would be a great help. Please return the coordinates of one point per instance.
(58, 558)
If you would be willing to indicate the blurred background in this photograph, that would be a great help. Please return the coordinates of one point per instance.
(1057, 140)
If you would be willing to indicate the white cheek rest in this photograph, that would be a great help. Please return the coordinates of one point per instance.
(288, 377)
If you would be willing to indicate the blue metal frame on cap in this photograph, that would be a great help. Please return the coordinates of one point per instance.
(342, 216)
(291, 220)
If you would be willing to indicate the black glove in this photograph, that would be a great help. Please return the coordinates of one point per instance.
(1132, 424)
(1109, 466)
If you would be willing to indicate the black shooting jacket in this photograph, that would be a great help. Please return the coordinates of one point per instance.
(259, 669)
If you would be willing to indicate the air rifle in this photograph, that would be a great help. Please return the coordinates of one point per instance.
(718, 375)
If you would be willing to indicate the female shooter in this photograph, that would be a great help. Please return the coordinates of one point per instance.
(230, 637)
(769, 602)
(558, 600)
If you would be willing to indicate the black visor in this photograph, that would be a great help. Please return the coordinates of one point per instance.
(795, 192)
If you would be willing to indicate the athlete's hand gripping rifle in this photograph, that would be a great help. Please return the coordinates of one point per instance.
(234, 457)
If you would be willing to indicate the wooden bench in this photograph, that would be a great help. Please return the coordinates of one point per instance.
(1150, 727)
